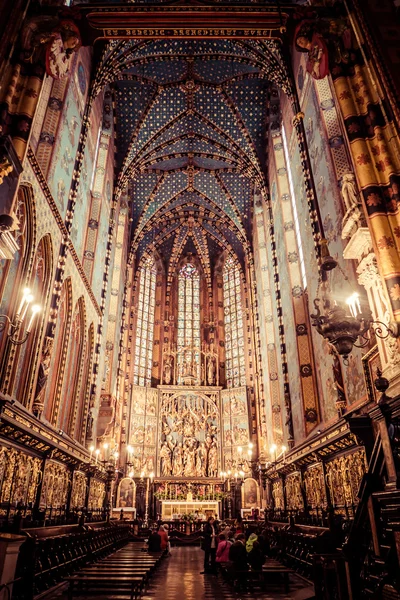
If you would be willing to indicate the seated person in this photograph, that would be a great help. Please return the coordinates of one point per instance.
(223, 547)
(256, 557)
(164, 537)
(238, 554)
(238, 560)
(250, 541)
(154, 541)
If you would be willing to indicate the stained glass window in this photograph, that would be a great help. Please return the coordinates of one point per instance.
(233, 316)
(188, 322)
(145, 324)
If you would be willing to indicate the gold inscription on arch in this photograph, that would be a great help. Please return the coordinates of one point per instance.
(190, 33)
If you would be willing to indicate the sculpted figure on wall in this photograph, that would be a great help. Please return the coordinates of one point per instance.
(349, 191)
(166, 464)
(44, 368)
(189, 434)
(168, 365)
(177, 460)
(190, 457)
(201, 460)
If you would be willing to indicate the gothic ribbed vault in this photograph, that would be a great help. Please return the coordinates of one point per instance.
(191, 122)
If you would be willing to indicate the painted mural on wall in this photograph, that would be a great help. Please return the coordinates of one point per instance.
(284, 254)
(100, 256)
(82, 206)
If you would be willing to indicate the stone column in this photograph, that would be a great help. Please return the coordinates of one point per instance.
(9, 550)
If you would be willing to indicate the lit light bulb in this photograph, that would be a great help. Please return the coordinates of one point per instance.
(354, 304)
(240, 449)
(130, 474)
(91, 448)
(251, 445)
(25, 294)
(35, 309)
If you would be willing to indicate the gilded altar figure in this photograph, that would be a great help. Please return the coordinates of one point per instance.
(177, 460)
(168, 370)
(190, 458)
(189, 426)
(201, 460)
(165, 455)
(211, 371)
(213, 459)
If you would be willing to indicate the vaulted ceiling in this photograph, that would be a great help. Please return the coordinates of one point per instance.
(191, 122)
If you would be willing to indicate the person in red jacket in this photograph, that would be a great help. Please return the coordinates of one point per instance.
(222, 555)
(164, 538)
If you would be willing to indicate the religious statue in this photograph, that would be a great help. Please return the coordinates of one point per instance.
(168, 370)
(211, 371)
(213, 460)
(44, 368)
(190, 458)
(349, 191)
(52, 41)
(189, 426)
(166, 465)
(89, 426)
(201, 460)
(177, 460)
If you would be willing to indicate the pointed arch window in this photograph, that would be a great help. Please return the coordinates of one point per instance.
(145, 324)
(233, 317)
(188, 338)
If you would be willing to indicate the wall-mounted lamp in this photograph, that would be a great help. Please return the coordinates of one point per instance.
(14, 329)
(342, 324)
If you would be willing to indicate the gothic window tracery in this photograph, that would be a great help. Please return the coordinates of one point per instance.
(145, 324)
(233, 320)
(188, 338)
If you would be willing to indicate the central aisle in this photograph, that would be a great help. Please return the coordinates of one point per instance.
(179, 578)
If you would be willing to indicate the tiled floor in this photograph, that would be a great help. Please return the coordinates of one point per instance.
(178, 578)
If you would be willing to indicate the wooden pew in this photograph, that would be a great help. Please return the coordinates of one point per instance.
(125, 571)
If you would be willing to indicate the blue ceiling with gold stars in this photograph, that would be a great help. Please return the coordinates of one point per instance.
(191, 121)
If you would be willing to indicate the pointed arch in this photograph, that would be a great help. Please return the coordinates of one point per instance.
(61, 338)
(26, 356)
(73, 369)
(14, 273)
(82, 398)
